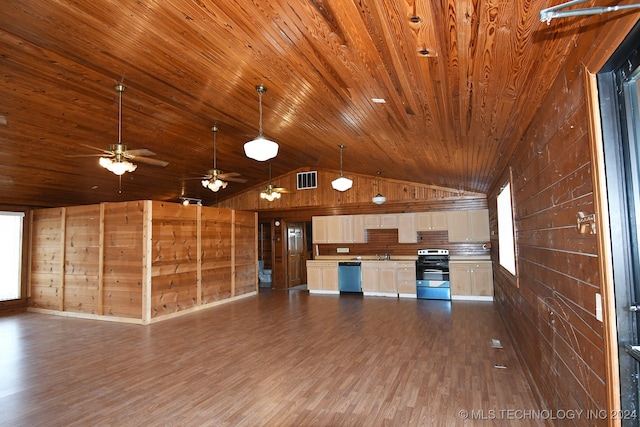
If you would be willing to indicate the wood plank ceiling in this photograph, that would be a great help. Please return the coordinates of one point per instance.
(461, 79)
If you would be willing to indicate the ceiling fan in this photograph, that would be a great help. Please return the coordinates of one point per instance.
(215, 179)
(271, 192)
(117, 158)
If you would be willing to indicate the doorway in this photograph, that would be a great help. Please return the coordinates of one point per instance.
(619, 99)
(295, 253)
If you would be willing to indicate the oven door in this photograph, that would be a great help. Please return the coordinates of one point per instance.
(432, 283)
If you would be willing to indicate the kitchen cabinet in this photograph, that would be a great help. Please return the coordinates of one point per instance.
(379, 278)
(468, 226)
(322, 277)
(406, 278)
(471, 279)
(338, 229)
(353, 229)
(407, 232)
(431, 221)
(380, 221)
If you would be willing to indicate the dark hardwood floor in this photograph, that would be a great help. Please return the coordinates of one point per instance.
(282, 358)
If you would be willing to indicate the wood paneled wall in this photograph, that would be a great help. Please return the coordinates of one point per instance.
(140, 261)
(550, 309)
(363, 189)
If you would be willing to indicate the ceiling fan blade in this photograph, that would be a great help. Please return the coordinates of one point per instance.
(228, 174)
(139, 152)
(240, 180)
(146, 160)
(281, 190)
(96, 148)
(197, 177)
(106, 154)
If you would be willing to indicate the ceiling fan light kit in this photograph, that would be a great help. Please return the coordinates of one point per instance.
(261, 149)
(269, 196)
(116, 158)
(341, 183)
(214, 183)
(117, 166)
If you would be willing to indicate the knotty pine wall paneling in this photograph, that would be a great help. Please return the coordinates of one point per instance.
(174, 263)
(140, 261)
(549, 311)
(82, 254)
(217, 255)
(245, 252)
(46, 258)
(123, 259)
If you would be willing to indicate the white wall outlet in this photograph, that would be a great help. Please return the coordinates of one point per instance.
(342, 250)
(599, 307)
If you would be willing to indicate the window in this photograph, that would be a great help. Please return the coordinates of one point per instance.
(506, 237)
(10, 254)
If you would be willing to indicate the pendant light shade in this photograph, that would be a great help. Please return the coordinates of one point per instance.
(261, 149)
(342, 183)
(378, 199)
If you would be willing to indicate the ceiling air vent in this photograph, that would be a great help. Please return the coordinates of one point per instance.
(307, 180)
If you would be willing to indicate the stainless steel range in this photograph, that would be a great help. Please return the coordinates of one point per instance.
(432, 274)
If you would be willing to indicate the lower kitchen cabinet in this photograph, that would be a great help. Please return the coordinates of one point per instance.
(471, 279)
(322, 277)
(406, 279)
(379, 278)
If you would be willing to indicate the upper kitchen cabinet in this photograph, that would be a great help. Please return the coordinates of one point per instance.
(338, 229)
(380, 221)
(431, 221)
(468, 226)
(407, 232)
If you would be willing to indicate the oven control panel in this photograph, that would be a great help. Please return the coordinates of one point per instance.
(433, 251)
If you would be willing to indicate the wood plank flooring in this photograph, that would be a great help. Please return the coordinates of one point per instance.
(282, 358)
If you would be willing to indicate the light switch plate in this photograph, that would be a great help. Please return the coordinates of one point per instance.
(342, 250)
(599, 307)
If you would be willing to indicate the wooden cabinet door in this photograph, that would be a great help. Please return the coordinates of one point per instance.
(439, 221)
(370, 282)
(479, 225)
(330, 277)
(314, 277)
(387, 278)
(482, 280)
(334, 229)
(319, 229)
(458, 226)
(407, 232)
(459, 279)
(371, 222)
(431, 221)
(359, 233)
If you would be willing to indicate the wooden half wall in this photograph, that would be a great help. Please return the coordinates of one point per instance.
(140, 261)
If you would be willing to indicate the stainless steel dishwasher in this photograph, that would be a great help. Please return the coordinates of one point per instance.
(349, 277)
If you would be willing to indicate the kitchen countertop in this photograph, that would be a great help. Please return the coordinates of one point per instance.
(363, 258)
(469, 258)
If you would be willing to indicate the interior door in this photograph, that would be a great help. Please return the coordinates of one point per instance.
(295, 249)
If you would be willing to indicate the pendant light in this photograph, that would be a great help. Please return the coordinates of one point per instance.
(342, 183)
(261, 149)
(379, 199)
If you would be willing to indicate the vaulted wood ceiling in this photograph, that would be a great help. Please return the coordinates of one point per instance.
(461, 79)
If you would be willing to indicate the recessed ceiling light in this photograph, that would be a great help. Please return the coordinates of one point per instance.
(378, 100)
